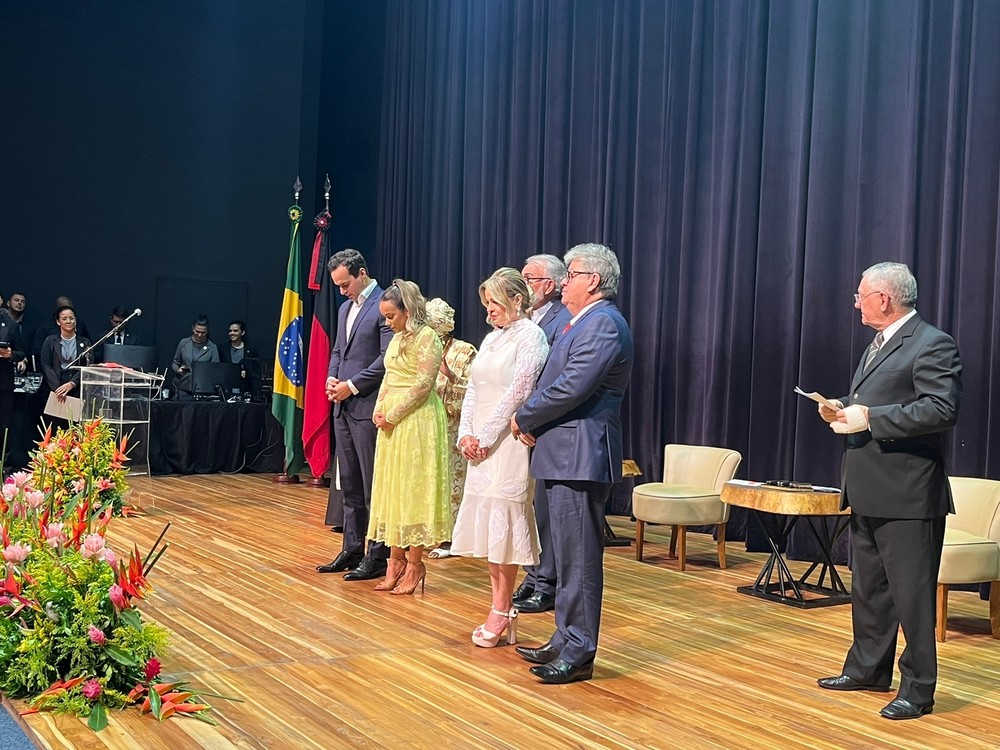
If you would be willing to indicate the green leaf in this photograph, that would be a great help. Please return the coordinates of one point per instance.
(155, 704)
(98, 717)
(120, 655)
(132, 618)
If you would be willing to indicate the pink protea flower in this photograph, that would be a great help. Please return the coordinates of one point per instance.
(93, 544)
(16, 553)
(152, 669)
(34, 499)
(54, 535)
(104, 484)
(78, 485)
(10, 490)
(91, 689)
(108, 555)
(96, 635)
(117, 596)
(19, 478)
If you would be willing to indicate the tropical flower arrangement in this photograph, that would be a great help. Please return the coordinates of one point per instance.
(71, 637)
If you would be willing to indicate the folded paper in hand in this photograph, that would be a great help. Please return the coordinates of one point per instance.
(71, 409)
(819, 399)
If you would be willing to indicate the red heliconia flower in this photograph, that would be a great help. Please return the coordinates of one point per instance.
(152, 669)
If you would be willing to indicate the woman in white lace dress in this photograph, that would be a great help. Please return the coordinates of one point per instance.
(496, 519)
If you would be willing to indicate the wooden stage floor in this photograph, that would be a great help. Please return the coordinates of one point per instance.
(685, 661)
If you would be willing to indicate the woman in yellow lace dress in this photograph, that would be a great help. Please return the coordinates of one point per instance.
(411, 491)
(452, 382)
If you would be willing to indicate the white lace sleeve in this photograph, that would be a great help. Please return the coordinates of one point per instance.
(532, 350)
(468, 411)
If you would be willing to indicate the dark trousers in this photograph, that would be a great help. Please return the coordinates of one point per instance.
(356, 458)
(894, 570)
(576, 522)
(542, 577)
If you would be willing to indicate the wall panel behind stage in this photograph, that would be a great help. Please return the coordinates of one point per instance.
(747, 160)
(153, 138)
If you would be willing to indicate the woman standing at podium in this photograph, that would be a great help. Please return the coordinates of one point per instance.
(60, 352)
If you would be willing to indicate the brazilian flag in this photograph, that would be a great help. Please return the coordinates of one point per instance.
(289, 362)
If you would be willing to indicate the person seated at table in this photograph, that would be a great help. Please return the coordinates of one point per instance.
(194, 348)
(123, 336)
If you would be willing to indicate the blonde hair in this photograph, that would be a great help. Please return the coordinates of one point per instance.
(505, 285)
(406, 296)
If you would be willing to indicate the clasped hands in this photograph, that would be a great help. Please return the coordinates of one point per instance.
(381, 422)
(337, 390)
(525, 437)
(469, 445)
(845, 421)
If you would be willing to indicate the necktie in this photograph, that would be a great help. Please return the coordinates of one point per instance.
(873, 349)
(118, 339)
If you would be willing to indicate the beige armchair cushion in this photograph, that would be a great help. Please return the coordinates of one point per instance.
(699, 506)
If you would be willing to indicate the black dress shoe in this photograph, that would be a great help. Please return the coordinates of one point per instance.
(537, 602)
(561, 672)
(541, 655)
(344, 561)
(367, 569)
(337, 529)
(523, 592)
(843, 682)
(900, 708)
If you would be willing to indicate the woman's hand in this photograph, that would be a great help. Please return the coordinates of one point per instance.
(382, 423)
(470, 447)
(62, 391)
(448, 372)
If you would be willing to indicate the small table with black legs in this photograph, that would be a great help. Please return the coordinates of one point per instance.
(779, 510)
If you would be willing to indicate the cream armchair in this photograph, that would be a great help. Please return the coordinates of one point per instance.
(693, 476)
(971, 551)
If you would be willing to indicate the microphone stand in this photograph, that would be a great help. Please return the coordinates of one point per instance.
(86, 352)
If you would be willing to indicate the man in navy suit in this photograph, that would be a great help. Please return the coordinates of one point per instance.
(573, 420)
(904, 398)
(353, 379)
(544, 274)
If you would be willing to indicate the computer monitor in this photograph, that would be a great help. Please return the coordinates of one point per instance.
(208, 377)
(141, 358)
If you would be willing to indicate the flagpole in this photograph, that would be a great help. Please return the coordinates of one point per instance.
(320, 481)
(294, 214)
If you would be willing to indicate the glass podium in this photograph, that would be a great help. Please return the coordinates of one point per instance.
(121, 396)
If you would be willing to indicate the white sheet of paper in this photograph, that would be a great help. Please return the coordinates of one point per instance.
(819, 399)
(71, 409)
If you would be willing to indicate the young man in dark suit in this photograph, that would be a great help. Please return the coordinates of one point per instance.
(904, 398)
(354, 376)
(573, 420)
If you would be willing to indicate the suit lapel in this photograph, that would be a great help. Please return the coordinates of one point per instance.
(365, 310)
(885, 352)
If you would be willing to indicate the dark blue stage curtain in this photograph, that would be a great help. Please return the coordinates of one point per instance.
(747, 160)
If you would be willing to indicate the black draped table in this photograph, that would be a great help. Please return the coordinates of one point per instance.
(206, 437)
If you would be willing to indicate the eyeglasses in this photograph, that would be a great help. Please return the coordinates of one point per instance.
(533, 279)
(859, 297)
(570, 275)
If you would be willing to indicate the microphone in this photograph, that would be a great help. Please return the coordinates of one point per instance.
(137, 312)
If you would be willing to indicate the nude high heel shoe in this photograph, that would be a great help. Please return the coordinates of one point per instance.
(391, 578)
(400, 589)
(485, 639)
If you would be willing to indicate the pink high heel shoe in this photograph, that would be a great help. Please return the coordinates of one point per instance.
(484, 638)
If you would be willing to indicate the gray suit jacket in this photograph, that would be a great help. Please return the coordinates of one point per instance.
(912, 390)
(359, 358)
(575, 411)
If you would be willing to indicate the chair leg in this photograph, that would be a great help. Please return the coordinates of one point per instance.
(942, 610)
(640, 526)
(995, 608)
(673, 541)
(682, 553)
(721, 544)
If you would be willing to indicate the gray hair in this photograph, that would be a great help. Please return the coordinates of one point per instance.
(598, 259)
(555, 269)
(896, 280)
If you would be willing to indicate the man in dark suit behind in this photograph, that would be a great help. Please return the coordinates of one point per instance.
(573, 419)
(353, 379)
(904, 398)
(11, 352)
(544, 275)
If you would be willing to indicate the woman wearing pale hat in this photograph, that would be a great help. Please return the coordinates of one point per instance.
(452, 381)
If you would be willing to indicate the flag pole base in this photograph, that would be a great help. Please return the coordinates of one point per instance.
(285, 479)
(317, 482)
